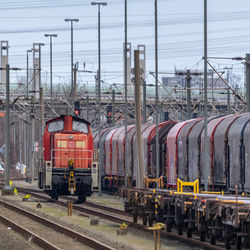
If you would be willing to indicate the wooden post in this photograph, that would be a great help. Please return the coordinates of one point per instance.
(70, 208)
(155, 239)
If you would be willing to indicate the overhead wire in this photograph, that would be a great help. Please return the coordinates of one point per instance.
(136, 24)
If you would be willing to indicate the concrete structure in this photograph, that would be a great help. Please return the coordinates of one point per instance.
(128, 56)
(4, 60)
(248, 81)
(142, 55)
(196, 81)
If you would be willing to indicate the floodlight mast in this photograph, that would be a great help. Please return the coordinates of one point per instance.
(71, 20)
(99, 90)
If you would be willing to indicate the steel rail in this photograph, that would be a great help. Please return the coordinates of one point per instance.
(99, 206)
(109, 209)
(66, 231)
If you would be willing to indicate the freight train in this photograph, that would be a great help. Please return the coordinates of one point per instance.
(68, 158)
(181, 152)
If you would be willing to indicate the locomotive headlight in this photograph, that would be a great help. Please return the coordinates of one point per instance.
(71, 137)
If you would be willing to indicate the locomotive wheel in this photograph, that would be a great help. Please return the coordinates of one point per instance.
(81, 197)
(54, 196)
(54, 193)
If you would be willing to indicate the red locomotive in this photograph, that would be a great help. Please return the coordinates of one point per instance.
(68, 157)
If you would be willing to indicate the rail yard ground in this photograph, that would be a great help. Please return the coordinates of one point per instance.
(105, 232)
(11, 240)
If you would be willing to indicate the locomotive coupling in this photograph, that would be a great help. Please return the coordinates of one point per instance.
(72, 181)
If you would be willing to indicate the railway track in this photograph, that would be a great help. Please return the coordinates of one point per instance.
(41, 195)
(119, 216)
(62, 230)
(89, 208)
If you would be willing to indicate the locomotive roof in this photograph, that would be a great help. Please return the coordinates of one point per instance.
(74, 118)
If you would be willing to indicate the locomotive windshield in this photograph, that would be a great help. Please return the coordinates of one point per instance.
(56, 126)
(80, 127)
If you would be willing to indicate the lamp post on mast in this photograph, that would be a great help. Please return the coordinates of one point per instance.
(51, 91)
(27, 91)
(71, 20)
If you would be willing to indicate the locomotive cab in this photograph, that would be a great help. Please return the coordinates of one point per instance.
(68, 158)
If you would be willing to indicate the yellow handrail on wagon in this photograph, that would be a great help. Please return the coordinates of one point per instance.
(194, 184)
(148, 180)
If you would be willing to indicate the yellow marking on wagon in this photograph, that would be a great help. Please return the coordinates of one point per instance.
(181, 184)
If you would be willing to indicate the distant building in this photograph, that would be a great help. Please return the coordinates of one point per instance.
(179, 80)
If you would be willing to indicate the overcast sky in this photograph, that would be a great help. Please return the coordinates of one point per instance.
(180, 34)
